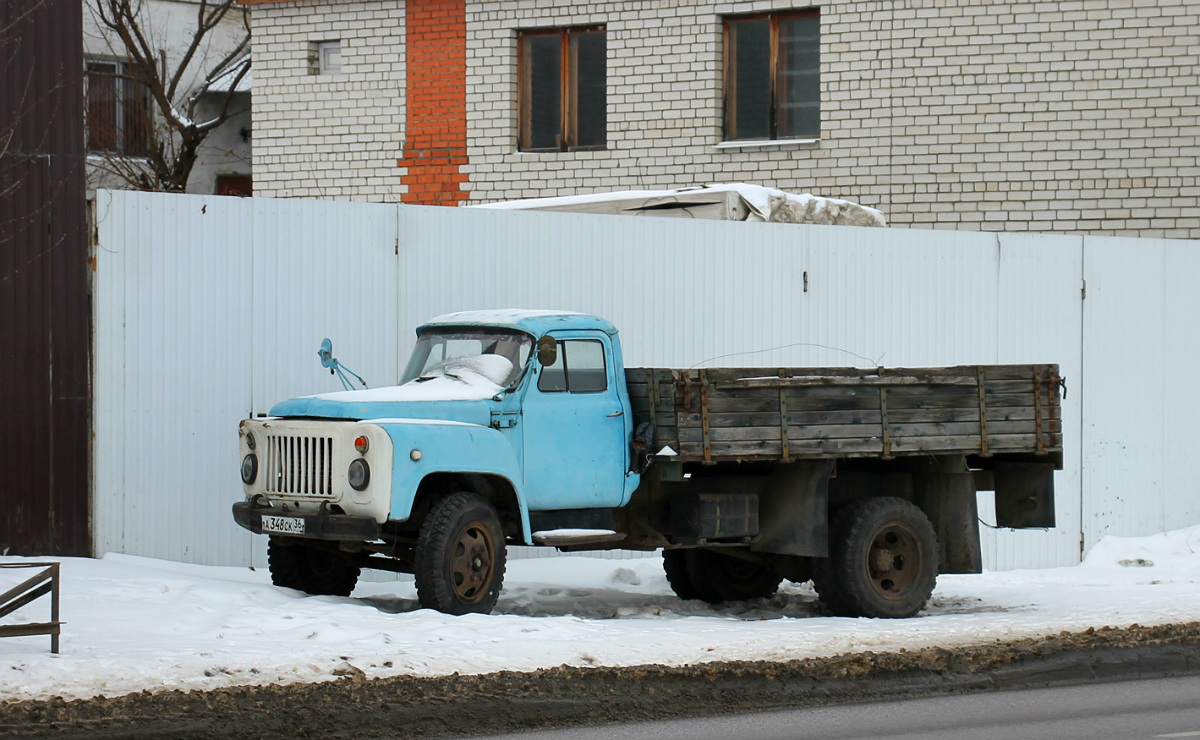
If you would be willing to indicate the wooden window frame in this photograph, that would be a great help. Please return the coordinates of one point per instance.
(568, 108)
(240, 186)
(123, 80)
(730, 104)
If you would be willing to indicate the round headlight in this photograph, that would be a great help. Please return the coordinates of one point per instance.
(249, 469)
(359, 474)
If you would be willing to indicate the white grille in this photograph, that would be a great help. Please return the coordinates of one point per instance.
(299, 465)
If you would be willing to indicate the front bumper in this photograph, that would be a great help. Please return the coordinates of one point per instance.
(316, 527)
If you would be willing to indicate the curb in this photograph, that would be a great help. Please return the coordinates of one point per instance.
(505, 702)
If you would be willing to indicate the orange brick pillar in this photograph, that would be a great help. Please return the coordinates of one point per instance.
(435, 147)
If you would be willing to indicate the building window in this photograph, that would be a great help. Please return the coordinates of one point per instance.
(563, 89)
(238, 185)
(325, 57)
(118, 111)
(330, 55)
(773, 76)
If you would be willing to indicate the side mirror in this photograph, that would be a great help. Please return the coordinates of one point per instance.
(326, 354)
(547, 351)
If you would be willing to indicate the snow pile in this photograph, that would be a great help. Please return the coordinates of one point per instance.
(778, 206)
(471, 370)
(475, 378)
(1169, 552)
(134, 624)
(762, 204)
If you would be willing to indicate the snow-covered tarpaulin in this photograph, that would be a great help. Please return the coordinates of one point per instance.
(726, 201)
(134, 624)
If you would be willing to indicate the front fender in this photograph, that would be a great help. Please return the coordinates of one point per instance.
(448, 447)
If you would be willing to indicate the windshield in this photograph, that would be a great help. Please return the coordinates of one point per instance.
(440, 352)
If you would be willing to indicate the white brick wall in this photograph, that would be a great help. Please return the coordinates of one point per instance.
(329, 136)
(1071, 116)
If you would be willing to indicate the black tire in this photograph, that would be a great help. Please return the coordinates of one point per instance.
(883, 560)
(717, 577)
(675, 564)
(313, 570)
(460, 556)
(824, 583)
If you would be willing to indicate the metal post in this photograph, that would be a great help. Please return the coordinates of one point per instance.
(54, 608)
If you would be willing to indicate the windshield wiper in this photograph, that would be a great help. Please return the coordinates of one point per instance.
(424, 378)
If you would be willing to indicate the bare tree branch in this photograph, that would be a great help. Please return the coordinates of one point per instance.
(175, 136)
(204, 26)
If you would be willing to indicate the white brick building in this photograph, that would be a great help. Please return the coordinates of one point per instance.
(1073, 116)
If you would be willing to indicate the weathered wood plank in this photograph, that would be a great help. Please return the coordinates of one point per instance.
(766, 402)
(873, 381)
(725, 374)
(855, 431)
(763, 449)
(1005, 388)
(801, 448)
(995, 428)
(856, 416)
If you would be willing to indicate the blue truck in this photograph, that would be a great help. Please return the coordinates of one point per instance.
(525, 428)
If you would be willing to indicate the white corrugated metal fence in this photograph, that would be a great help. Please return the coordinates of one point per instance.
(209, 309)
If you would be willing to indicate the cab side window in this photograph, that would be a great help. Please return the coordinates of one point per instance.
(579, 368)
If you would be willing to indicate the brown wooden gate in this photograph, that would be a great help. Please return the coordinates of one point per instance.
(45, 319)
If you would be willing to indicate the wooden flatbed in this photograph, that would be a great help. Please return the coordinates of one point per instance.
(782, 414)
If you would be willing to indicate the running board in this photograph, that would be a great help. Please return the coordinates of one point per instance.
(565, 538)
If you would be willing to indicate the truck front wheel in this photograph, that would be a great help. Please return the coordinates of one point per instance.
(313, 570)
(460, 556)
(883, 560)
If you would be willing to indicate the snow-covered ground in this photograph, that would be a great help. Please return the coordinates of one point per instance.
(133, 623)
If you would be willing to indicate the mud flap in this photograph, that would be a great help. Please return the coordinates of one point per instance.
(1024, 495)
(794, 511)
(945, 491)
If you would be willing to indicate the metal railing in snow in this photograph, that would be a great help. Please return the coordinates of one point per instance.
(45, 582)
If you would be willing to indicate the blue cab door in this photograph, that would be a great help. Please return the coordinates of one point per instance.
(576, 453)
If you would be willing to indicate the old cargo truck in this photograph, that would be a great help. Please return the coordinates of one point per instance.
(525, 428)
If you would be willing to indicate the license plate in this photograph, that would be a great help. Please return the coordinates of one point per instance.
(282, 524)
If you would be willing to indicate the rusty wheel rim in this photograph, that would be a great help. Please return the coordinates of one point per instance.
(894, 561)
(472, 560)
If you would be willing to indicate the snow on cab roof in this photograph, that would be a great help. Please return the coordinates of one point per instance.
(533, 321)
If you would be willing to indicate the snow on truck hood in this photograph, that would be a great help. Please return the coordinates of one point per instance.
(454, 391)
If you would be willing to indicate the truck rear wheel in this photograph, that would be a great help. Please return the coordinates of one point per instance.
(460, 556)
(712, 576)
(675, 564)
(883, 560)
(313, 570)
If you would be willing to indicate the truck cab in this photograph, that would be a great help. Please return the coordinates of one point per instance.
(503, 412)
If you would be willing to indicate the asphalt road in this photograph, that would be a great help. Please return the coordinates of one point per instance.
(1133, 710)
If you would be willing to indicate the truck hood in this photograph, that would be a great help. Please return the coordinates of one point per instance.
(438, 398)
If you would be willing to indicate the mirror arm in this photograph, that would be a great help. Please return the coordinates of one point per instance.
(516, 381)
